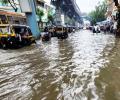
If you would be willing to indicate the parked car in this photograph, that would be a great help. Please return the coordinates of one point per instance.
(90, 28)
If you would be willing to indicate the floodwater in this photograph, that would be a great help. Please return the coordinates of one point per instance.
(85, 66)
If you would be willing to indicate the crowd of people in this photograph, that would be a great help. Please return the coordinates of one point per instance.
(110, 27)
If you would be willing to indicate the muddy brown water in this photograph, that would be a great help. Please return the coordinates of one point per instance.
(85, 66)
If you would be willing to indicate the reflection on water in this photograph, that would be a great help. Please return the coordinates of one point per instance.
(59, 69)
(109, 78)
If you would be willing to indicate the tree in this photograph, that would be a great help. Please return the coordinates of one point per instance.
(11, 2)
(98, 14)
(50, 18)
(40, 14)
(4, 2)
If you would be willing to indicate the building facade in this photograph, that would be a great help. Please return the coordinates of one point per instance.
(7, 7)
(112, 9)
(8, 13)
(46, 8)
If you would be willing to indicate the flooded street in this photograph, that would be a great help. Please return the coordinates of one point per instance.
(83, 67)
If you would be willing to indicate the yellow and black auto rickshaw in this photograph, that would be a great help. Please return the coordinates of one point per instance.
(61, 32)
(46, 35)
(70, 29)
(14, 36)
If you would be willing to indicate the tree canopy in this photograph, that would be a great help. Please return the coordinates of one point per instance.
(50, 16)
(98, 14)
(40, 14)
(4, 1)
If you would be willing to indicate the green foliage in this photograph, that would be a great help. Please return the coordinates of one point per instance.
(4, 2)
(50, 18)
(99, 13)
(40, 13)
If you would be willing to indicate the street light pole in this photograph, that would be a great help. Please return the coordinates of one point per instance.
(32, 21)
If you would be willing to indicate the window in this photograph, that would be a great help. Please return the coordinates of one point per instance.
(3, 19)
(5, 29)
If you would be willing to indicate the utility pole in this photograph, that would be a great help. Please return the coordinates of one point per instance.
(29, 8)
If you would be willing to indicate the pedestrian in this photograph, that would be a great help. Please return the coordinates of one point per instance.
(115, 27)
(105, 28)
(45, 29)
(111, 29)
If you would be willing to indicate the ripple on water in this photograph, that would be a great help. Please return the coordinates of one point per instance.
(55, 70)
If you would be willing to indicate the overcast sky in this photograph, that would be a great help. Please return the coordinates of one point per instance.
(87, 5)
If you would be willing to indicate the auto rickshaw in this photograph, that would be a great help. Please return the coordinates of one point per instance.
(51, 31)
(46, 35)
(70, 29)
(14, 36)
(61, 32)
(25, 33)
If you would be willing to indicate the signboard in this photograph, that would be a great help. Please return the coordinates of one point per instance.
(25, 6)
